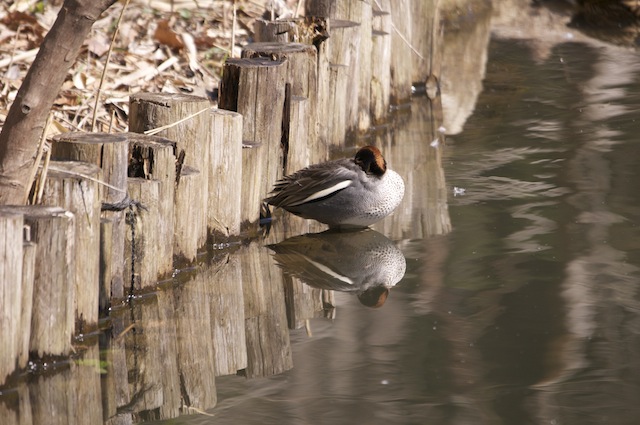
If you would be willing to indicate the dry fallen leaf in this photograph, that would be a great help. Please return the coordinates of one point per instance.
(166, 36)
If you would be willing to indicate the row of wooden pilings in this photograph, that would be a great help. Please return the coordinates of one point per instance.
(116, 210)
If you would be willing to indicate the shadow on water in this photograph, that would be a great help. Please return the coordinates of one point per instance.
(513, 299)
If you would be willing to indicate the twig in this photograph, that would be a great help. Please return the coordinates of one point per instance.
(157, 130)
(106, 66)
(29, 54)
(402, 37)
(84, 176)
(43, 176)
(36, 164)
(297, 9)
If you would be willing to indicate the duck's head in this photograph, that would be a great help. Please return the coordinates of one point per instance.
(370, 159)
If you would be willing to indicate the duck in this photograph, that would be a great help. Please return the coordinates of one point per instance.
(345, 193)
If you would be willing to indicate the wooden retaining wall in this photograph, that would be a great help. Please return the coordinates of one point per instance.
(118, 210)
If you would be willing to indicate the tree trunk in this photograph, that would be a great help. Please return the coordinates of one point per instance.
(27, 116)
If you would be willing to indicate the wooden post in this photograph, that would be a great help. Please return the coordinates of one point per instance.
(26, 312)
(11, 258)
(154, 158)
(380, 66)
(312, 30)
(426, 38)
(274, 31)
(302, 78)
(187, 224)
(343, 81)
(52, 324)
(142, 248)
(255, 88)
(74, 187)
(225, 174)
(358, 12)
(401, 53)
(154, 110)
(109, 152)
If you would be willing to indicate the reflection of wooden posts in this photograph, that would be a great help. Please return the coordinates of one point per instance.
(302, 301)
(11, 260)
(268, 344)
(115, 382)
(225, 174)
(52, 324)
(154, 158)
(195, 349)
(255, 88)
(110, 153)
(153, 378)
(154, 110)
(56, 398)
(74, 187)
(227, 315)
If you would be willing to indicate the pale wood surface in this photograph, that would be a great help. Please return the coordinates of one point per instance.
(225, 174)
(150, 111)
(10, 290)
(74, 186)
(110, 152)
(153, 157)
(142, 248)
(255, 88)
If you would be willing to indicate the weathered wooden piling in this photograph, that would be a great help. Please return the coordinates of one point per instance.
(11, 258)
(26, 312)
(225, 174)
(255, 88)
(109, 152)
(188, 214)
(187, 122)
(380, 85)
(359, 14)
(75, 187)
(300, 114)
(154, 158)
(401, 53)
(52, 321)
(142, 248)
(344, 80)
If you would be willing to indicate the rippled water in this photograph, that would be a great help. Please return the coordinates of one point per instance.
(519, 301)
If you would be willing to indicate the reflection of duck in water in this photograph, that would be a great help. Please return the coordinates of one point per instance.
(343, 193)
(363, 262)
